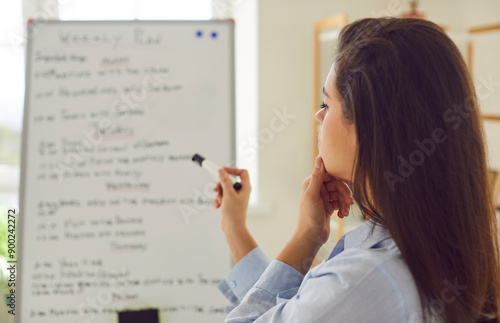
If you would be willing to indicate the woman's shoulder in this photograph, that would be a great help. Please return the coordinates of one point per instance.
(376, 275)
(383, 259)
(369, 247)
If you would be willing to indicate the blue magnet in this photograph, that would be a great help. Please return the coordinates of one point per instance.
(199, 33)
(214, 34)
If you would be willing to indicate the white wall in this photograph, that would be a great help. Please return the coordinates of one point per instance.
(480, 12)
(285, 80)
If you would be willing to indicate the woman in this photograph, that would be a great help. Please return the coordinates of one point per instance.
(401, 125)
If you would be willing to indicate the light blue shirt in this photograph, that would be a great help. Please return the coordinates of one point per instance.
(365, 279)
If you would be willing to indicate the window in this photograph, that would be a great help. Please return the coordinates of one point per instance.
(135, 9)
(11, 105)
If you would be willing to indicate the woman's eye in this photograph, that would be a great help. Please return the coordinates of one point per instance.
(323, 106)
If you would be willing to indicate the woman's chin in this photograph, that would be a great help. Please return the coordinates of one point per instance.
(336, 175)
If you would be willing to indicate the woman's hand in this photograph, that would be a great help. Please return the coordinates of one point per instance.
(322, 194)
(233, 203)
(234, 206)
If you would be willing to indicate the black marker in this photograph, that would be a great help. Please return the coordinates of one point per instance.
(214, 169)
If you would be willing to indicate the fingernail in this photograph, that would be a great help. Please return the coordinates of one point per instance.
(317, 163)
(222, 172)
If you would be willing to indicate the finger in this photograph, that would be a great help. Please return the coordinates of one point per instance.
(316, 182)
(342, 188)
(217, 200)
(341, 211)
(226, 183)
(217, 187)
(243, 175)
(329, 208)
(337, 185)
(334, 196)
(345, 209)
(325, 196)
(347, 192)
(347, 199)
(305, 183)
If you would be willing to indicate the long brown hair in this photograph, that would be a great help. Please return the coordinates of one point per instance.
(421, 168)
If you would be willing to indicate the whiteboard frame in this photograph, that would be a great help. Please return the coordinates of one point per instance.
(31, 32)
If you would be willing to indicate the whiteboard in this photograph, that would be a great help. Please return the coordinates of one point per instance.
(114, 214)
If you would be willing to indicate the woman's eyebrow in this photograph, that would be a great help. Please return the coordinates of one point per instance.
(324, 92)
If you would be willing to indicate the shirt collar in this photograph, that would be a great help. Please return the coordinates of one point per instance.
(361, 237)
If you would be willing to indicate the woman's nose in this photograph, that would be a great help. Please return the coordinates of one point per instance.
(320, 115)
